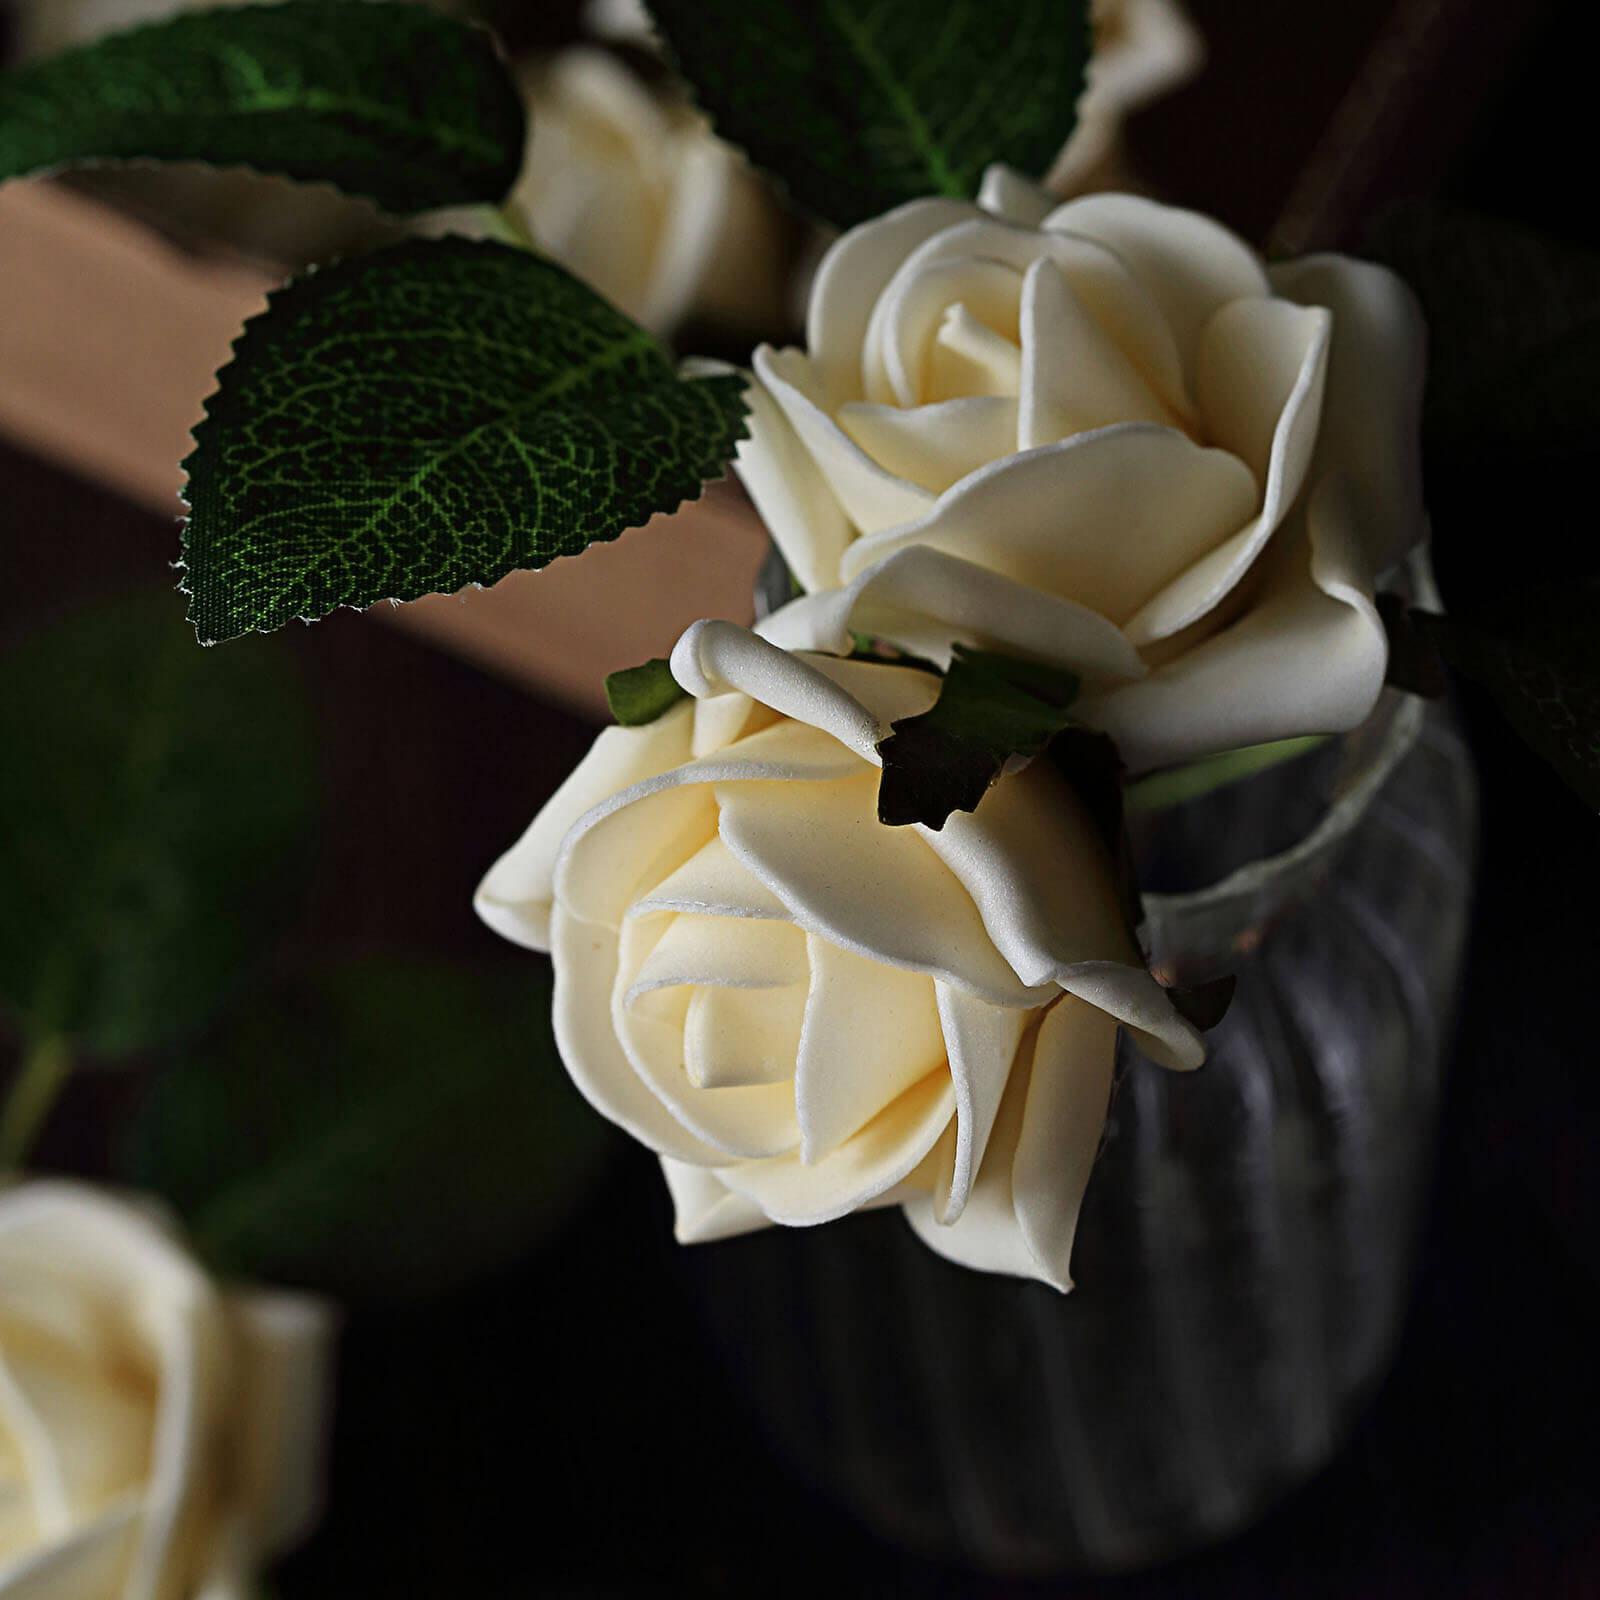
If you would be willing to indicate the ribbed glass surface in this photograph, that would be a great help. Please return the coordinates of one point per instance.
(1245, 1249)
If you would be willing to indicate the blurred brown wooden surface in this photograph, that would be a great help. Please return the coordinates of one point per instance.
(108, 344)
(109, 336)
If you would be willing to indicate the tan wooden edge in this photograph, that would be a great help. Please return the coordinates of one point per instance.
(109, 340)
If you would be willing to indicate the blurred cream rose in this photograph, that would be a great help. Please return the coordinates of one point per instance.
(1143, 49)
(158, 1438)
(1038, 428)
(630, 190)
(806, 1012)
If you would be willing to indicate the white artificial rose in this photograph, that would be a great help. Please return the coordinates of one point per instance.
(1039, 429)
(631, 191)
(806, 1012)
(1143, 49)
(158, 1437)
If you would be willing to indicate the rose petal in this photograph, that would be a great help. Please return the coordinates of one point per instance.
(90, 1564)
(740, 953)
(925, 601)
(515, 895)
(1189, 264)
(871, 497)
(586, 961)
(968, 357)
(283, 1376)
(849, 280)
(934, 445)
(1261, 369)
(1069, 1091)
(880, 892)
(1307, 657)
(1372, 409)
(706, 1208)
(860, 1170)
(1006, 194)
(912, 312)
(790, 494)
(754, 1121)
(982, 1041)
(871, 1032)
(1117, 301)
(1104, 519)
(1074, 376)
(736, 1037)
(712, 882)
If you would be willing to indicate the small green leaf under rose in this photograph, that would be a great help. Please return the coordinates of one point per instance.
(155, 802)
(858, 105)
(428, 417)
(638, 695)
(990, 708)
(383, 1130)
(391, 101)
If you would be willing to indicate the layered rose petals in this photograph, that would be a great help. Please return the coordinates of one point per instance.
(1112, 407)
(806, 1012)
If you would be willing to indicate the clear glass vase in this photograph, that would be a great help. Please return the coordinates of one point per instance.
(1245, 1249)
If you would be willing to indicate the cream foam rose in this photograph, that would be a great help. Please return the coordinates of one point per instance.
(1143, 49)
(632, 191)
(806, 1012)
(1104, 425)
(158, 1437)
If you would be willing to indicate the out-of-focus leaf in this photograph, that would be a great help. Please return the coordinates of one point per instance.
(1513, 330)
(382, 1131)
(858, 105)
(1538, 654)
(391, 101)
(155, 801)
(431, 416)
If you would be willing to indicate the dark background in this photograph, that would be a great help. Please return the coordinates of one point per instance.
(565, 1428)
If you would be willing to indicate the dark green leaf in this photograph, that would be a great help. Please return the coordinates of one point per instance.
(990, 708)
(1538, 654)
(1204, 1004)
(393, 101)
(1513, 329)
(431, 416)
(154, 800)
(383, 1131)
(640, 694)
(858, 105)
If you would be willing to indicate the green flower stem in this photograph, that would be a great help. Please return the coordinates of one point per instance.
(1163, 789)
(45, 1069)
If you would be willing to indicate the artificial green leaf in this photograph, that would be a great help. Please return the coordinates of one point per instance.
(431, 416)
(858, 105)
(382, 1130)
(155, 800)
(392, 101)
(638, 695)
(1092, 767)
(1538, 653)
(990, 708)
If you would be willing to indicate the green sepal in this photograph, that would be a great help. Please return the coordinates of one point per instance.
(990, 708)
(638, 695)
